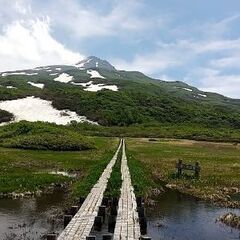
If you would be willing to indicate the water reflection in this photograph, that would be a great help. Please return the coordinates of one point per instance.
(30, 218)
(177, 216)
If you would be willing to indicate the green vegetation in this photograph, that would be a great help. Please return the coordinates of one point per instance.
(140, 100)
(220, 165)
(141, 177)
(115, 181)
(167, 130)
(5, 116)
(30, 170)
(42, 136)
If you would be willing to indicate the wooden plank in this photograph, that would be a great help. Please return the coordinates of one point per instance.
(81, 224)
(127, 222)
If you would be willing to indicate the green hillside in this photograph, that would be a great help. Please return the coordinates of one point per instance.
(139, 99)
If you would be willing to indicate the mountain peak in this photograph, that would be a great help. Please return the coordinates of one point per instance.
(95, 62)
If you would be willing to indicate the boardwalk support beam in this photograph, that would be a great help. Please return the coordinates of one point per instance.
(52, 236)
(66, 220)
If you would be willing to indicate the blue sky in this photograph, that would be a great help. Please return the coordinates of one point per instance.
(193, 41)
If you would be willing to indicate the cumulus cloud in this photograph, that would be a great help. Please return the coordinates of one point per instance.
(85, 21)
(25, 44)
(214, 81)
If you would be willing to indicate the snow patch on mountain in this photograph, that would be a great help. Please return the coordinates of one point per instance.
(202, 95)
(36, 109)
(94, 74)
(187, 89)
(91, 87)
(41, 68)
(81, 64)
(95, 62)
(99, 87)
(83, 84)
(38, 85)
(64, 78)
(53, 74)
(17, 73)
(10, 87)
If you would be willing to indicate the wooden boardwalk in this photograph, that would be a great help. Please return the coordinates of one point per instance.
(127, 223)
(82, 223)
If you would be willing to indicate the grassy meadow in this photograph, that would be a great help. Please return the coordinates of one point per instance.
(29, 170)
(220, 166)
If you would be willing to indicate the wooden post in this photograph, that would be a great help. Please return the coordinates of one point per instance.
(141, 212)
(90, 237)
(107, 237)
(102, 212)
(74, 210)
(179, 168)
(113, 210)
(115, 201)
(52, 236)
(111, 223)
(105, 201)
(143, 225)
(66, 220)
(81, 200)
(98, 223)
(139, 201)
(197, 169)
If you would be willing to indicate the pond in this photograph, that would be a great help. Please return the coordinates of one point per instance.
(30, 218)
(175, 216)
(181, 217)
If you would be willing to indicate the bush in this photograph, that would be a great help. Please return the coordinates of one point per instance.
(43, 136)
(5, 116)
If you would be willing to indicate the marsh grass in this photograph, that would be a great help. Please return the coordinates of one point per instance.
(220, 163)
(28, 170)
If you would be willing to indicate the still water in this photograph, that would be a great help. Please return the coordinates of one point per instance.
(28, 219)
(181, 217)
(175, 216)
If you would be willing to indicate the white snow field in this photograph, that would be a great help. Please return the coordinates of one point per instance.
(36, 109)
(98, 87)
(38, 85)
(187, 89)
(89, 86)
(10, 87)
(94, 74)
(202, 95)
(18, 73)
(64, 78)
(82, 65)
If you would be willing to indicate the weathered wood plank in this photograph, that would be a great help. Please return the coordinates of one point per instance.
(127, 223)
(81, 224)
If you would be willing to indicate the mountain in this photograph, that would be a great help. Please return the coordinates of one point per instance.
(95, 62)
(94, 91)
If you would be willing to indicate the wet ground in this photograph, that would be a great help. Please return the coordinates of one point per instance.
(181, 217)
(175, 216)
(30, 218)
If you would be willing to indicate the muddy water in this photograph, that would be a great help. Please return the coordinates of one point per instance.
(30, 218)
(181, 217)
(175, 216)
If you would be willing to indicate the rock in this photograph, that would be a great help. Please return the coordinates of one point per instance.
(157, 191)
(172, 186)
(231, 219)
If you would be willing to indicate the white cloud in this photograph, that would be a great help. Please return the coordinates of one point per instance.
(226, 62)
(83, 21)
(25, 44)
(212, 80)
